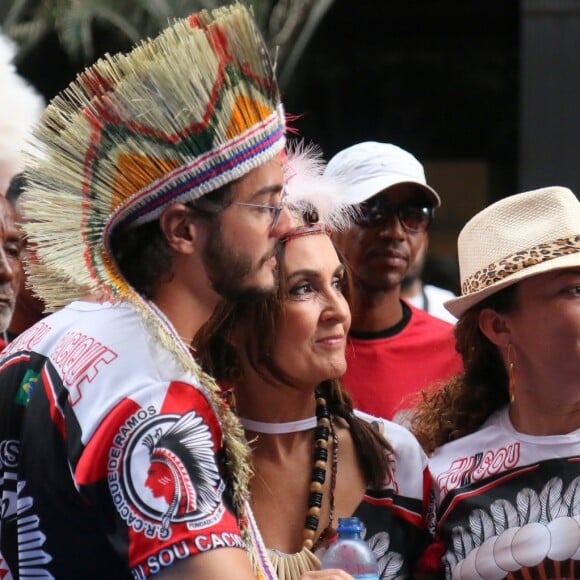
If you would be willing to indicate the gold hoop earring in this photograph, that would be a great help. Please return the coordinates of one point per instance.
(229, 398)
(512, 375)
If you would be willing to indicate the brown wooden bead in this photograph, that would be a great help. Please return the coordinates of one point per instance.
(319, 471)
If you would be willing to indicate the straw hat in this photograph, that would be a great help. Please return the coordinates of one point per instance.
(517, 237)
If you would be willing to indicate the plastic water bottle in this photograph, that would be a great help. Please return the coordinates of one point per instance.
(350, 552)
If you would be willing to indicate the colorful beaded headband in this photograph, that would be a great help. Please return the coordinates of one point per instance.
(307, 230)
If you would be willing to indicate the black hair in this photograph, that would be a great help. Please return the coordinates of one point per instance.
(143, 254)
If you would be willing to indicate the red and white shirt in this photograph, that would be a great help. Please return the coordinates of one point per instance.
(110, 452)
(508, 503)
(386, 370)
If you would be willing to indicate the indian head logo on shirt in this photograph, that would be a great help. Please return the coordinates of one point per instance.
(162, 472)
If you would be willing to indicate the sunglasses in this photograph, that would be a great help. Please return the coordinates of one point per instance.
(413, 218)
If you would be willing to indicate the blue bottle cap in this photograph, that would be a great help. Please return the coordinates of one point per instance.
(350, 525)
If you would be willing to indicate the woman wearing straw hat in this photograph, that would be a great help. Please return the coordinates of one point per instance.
(504, 438)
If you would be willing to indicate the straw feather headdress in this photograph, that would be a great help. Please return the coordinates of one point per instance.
(179, 116)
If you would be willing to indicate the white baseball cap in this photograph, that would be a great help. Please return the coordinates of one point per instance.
(370, 167)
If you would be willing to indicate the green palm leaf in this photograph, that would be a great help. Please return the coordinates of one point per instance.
(84, 27)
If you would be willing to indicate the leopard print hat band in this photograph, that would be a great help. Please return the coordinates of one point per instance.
(517, 237)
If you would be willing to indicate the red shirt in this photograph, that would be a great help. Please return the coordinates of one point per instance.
(386, 369)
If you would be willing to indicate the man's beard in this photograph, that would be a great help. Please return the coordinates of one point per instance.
(227, 270)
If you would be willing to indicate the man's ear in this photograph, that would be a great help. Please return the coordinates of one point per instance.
(179, 228)
(495, 327)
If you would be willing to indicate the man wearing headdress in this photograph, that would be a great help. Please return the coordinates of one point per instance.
(157, 188)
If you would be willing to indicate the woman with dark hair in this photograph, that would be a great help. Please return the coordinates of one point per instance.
(314, 458)
(504, 438)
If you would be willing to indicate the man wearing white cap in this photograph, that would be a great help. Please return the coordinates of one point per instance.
(394, 348)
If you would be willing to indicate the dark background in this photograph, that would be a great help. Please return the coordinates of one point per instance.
(483, 93)
(438, 78)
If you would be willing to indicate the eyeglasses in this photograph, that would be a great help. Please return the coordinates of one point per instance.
(274, 210)
(413, 218)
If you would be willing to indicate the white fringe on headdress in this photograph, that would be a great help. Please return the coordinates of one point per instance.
(20, 107)
(308, 188)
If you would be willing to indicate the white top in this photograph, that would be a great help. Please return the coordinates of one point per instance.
(507, 501)
(436, 297)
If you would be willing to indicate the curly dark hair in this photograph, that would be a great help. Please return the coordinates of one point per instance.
(256, 327)
(143, 254)
(463, 404)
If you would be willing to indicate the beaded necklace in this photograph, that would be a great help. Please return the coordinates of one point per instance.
(323, 429)
(292, 566)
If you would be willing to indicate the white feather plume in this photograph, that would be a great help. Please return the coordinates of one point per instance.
(308, 188)
(20, 107)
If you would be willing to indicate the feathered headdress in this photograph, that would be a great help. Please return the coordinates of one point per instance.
(313, 195)
(179, 116)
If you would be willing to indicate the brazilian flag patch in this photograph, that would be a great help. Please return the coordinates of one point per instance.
(26, 387)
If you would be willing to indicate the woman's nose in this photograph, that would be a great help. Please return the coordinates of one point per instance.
(336, 307)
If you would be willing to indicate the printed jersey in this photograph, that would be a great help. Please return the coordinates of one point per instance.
(394, 517)
(110, 453)
(508, 503)
(384, 373)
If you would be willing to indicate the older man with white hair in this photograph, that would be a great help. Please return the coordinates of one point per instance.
(11, 247)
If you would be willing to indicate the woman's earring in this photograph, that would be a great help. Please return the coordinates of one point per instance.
(511, 373)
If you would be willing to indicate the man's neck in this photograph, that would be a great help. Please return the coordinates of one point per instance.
(411, 288)
(373, 311)
(26, 313)
(186, 312)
